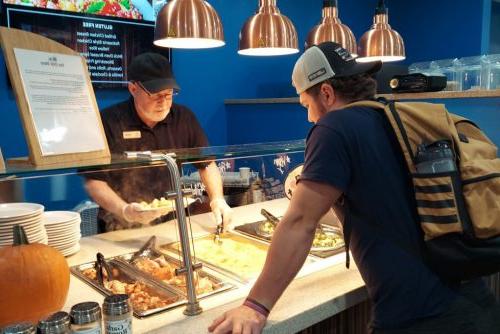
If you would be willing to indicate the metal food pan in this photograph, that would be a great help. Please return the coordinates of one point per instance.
(124, 274)
(219, 283)
(252, 230)
(239, 257)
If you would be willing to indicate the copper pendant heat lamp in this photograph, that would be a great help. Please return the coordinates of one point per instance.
(331, 29)
(188, 24)
(381, 42)
(268, 33)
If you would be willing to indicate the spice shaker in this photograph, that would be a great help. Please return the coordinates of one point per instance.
(86, 318)
(57, 323)
(21, 328)
(117, 314)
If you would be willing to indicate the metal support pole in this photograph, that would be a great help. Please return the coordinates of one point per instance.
(193, 306)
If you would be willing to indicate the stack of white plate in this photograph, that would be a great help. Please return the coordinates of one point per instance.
(28, 215)
(63, 230)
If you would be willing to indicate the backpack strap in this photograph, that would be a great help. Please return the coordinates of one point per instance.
(392, 114)
(343, 203)
(390, 111)
(399, 128)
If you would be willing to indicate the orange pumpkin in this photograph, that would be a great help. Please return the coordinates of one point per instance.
(34, 280)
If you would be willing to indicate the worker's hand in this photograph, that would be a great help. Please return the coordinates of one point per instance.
(222, 212)
(133, 213)
(242, 319)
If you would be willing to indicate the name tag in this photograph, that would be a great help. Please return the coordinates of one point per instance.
(131, 134)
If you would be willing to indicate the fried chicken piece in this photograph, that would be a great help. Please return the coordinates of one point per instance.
(163, 273)
(146, 265)
(116, 286)
(90, 273)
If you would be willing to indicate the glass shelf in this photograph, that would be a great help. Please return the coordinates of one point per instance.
(17, 170)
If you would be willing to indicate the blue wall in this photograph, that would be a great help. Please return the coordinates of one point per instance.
(439, 29)
(484, 112)
(431, 30)
(495, 28)
(255, 123)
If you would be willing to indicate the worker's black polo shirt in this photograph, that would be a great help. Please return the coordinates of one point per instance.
(125, 131)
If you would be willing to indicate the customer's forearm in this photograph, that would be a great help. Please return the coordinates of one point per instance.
(292, 240)
(289, 249)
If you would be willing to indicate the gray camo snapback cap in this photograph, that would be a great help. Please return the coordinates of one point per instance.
(325, 61)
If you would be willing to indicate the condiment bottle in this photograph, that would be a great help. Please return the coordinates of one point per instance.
(57, 323)
(21, 328)
(86, 318)
(117, 314)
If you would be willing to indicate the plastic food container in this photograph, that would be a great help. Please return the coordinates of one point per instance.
(451, 69)
(492, 71)
(474, 75)
(421, 67)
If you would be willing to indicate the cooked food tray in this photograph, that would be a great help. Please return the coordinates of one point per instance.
(161, 267)
(147, 297)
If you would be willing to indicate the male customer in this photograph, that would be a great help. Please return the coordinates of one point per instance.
(352, 154)
(149, 121)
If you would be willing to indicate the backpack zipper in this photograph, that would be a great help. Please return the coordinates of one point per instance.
(480, 178)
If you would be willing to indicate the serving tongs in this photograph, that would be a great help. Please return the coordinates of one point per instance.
(145, 250)
(260, 228)
(102, 266)
(275, 220)
(219, 229)
(270, 217)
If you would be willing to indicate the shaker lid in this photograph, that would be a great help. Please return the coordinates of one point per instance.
(58, 320)
(84, 313)
(21, 328)
(116, 304)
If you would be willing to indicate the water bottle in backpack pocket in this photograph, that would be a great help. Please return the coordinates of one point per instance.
(435, 158)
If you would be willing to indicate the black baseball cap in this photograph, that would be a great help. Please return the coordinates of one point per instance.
(153, 71)
(327, 60)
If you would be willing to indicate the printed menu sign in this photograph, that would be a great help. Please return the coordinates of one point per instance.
(57, 90)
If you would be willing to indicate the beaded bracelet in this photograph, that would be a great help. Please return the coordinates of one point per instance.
(256, 306)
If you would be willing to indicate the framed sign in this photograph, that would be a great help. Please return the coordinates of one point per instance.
(55, 99)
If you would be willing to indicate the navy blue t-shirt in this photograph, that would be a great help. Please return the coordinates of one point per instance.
(355, 151)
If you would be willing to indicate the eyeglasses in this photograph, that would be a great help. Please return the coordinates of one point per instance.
(164, 94)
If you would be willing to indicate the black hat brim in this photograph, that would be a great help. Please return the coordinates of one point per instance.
(157, 85)
(361, 68)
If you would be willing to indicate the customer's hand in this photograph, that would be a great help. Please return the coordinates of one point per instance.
(133, 213)
(242, 319)
(222, 212)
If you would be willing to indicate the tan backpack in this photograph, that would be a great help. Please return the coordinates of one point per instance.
(459, 211)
